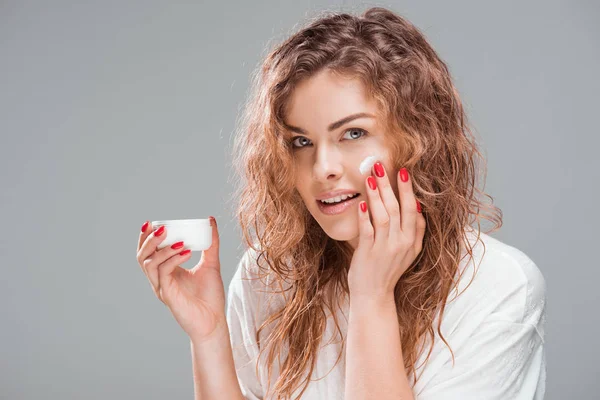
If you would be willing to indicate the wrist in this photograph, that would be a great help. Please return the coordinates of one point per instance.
(218, 336)
(371, 301)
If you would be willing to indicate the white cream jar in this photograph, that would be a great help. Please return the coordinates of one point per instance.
(196, 234)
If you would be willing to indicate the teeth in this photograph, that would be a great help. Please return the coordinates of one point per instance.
(338, 198)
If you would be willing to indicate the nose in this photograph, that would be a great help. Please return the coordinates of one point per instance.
(328, 164)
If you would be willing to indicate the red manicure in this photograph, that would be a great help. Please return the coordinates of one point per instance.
(363, 206)
(145, 226)
(403, 174)
(378, 169)
(159, 231)
(419, 206)
(372, 183)
(177, 245)
(185, 252)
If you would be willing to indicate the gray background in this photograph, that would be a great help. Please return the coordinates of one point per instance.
(112, 113)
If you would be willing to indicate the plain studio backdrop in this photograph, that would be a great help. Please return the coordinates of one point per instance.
(114, 112)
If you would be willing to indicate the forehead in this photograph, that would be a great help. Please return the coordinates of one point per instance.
(326, 97)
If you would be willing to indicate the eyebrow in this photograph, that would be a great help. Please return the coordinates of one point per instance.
(334, 125)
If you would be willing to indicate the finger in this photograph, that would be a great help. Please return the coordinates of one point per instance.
(381, 219)
(145, 231)
(151, 263)
(151, 242)
(165, 269)
(408, 204)
(210, 256)
(145, 236)
(366, 233)
(420, 233)
(389, 200)
(148, 250)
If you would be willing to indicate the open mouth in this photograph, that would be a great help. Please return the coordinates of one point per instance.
(339, 202)
(338, 207)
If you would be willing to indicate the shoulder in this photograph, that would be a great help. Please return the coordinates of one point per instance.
(494, 326)
(252, 287)
(506, 282)
(246, 278)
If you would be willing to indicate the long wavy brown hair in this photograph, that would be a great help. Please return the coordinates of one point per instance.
(428, 133)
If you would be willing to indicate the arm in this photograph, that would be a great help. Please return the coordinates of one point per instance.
(213, 366)
(374, 363)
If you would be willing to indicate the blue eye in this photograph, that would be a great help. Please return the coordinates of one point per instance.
(356, 130)
(349, 130)
(294, 139)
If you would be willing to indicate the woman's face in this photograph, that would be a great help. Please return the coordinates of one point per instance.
(328, 155)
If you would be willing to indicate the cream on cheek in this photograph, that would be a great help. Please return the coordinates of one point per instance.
(367, 164)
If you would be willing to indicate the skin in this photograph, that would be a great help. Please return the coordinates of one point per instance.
(330, 160)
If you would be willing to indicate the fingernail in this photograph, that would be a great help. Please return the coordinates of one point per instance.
(145, 226)
(418, 206)
(363, 206)
(372, 183)
(379, 169)
(185, 252)
(159, 231)
(177, 245)
(403, 174)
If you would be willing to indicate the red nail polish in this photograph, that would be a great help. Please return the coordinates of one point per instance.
(177, 245)
(145, 226)
(379, 169)
(372, 183)
(419, 206)
(185, 252)
(159, 231)
(363, 206)
(403, 174)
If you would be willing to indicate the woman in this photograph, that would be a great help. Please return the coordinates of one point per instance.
(389, 294)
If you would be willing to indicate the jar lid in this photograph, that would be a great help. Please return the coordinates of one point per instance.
(205, 221)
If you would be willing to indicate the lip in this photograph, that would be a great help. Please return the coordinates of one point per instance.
(334, 193)
(339, 207)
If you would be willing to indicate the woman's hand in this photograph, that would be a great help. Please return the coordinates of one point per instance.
(388, 246)
(195, 297)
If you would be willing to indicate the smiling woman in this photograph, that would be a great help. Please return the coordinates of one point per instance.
(351, 286)
(337, 91)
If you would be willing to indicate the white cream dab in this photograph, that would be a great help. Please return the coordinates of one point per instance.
(367, 164)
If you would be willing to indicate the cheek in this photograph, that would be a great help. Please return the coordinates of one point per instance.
(304, 194)
(392, 176)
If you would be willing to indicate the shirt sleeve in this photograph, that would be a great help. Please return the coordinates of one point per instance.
(503, 360)
(242, 330)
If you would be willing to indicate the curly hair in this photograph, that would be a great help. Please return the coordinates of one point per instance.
(427, 132)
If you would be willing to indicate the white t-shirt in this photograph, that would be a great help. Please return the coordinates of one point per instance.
(495, 329)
